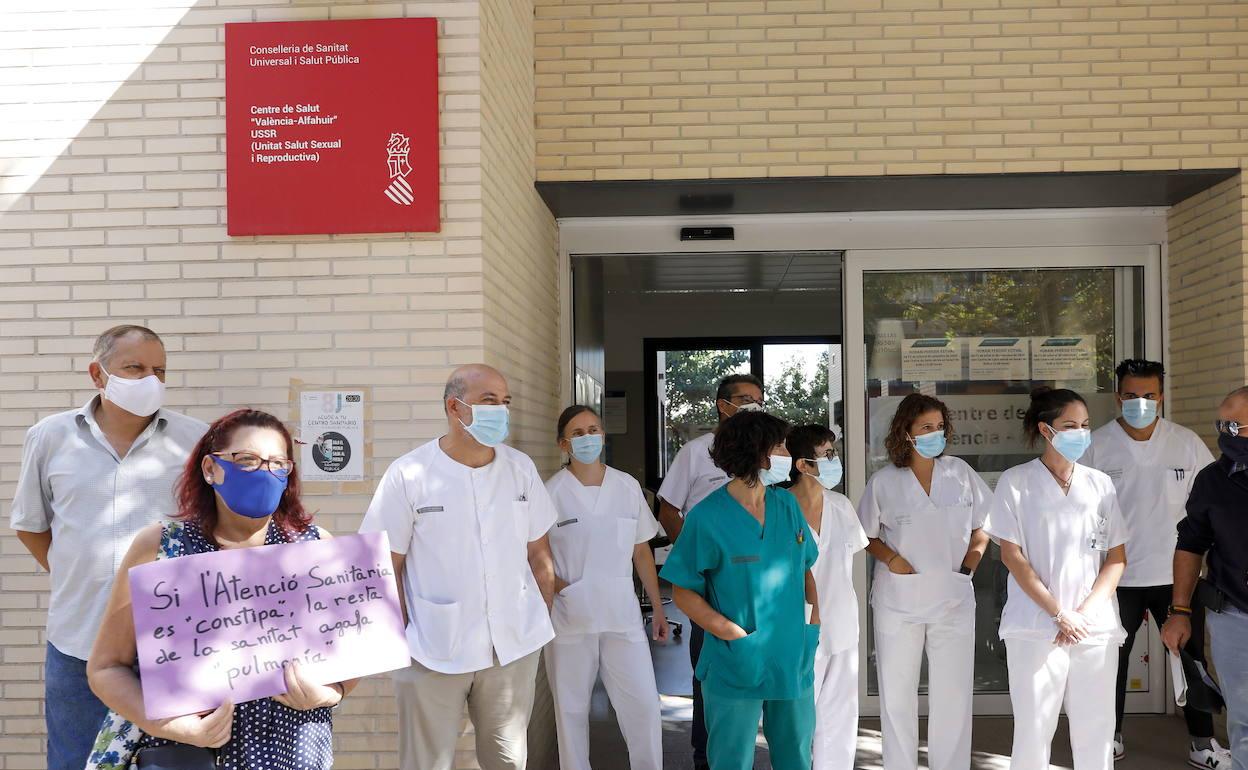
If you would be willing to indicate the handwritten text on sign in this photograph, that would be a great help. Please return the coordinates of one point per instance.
(218, 626)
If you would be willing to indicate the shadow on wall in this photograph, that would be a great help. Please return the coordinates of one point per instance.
(112, 210)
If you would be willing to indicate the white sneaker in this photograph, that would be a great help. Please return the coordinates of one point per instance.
(1216, 758)
(1120, 749)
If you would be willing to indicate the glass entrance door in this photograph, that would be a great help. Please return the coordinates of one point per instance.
(979, 329)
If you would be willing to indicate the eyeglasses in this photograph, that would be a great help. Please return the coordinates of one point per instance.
(744, 398)
(1227, 426)
(248, 462)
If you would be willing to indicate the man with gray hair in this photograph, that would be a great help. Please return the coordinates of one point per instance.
(91, 478)
(467, 518)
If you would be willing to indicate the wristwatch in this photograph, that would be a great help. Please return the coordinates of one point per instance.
(965, 570)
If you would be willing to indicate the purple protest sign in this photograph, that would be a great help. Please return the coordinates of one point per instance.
(218, 626)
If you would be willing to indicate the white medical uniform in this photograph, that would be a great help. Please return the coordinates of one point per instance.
(1065, 539)
(1152, 479)
(476, 615)
(840, 536)
(692, 475)
(597, 618)
(932, 610)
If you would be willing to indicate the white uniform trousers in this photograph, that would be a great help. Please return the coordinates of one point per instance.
(1043, 676)
(573, 665)
(950, 647)
(836, 710)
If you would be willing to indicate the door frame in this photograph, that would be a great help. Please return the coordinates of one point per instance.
(861, 261)
(867, 235)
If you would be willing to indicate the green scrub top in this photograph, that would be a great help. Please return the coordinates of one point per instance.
(755, 575)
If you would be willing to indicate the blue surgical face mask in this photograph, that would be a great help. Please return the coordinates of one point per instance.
(489, 423)
(1071, 443)
(254, 494)
(587, 448)
(1139, 413)
(830, 472)
(779, 470)
(930, 445)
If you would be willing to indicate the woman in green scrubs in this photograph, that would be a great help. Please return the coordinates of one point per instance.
(741, 570)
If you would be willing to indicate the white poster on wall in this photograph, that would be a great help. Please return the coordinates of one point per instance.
(999, 358)
(936, 359)
(1063, 358)
(332, 425)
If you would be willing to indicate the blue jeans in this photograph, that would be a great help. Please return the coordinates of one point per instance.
(72, 711)
(1228, 632)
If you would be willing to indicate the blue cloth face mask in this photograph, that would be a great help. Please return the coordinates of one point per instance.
(930, 445)
(587, 448)
(1071, 443)
(1139, 413)
(489, 423)
(779, 470)
(830, 472)
(254, 494)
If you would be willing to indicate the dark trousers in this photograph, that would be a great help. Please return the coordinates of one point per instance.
(1132, 604)
(697, 736)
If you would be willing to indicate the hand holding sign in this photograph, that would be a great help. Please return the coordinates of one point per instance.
(227, 626)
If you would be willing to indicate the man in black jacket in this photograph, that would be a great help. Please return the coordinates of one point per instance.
(1217, 526)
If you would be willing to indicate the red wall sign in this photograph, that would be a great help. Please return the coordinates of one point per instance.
(332, 126)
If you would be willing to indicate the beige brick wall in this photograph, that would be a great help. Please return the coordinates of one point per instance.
(1208, 303)
(521, 279)
(112, 193)
(756, 88)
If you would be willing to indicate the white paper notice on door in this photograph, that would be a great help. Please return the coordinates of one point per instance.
(999, 358)
(936, 359)
(1070, 357)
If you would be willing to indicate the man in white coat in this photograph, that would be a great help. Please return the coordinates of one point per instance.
(467, 518)
(691, 477)
(1152, 462)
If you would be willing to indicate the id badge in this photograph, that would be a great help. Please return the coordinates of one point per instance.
(1100, 536)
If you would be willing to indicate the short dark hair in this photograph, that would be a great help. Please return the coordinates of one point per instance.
(569, 414)
(897, 440)
(1047, 404)
(1139, 367)
(744, 440)
(725, 385)
(801, 443)
(106, 343)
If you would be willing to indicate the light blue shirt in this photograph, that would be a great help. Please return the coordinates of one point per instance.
(73, 482)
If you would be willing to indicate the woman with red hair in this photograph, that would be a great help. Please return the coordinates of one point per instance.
(240, 489)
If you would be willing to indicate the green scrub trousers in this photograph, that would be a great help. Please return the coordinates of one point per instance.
(755, 575)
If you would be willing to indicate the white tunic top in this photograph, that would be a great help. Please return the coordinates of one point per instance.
(692, 475)
(470, 591)
(840, 536)
(1153, 479)
(593, 543)
(1065, 539)
(932, 532)
(73, 483)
